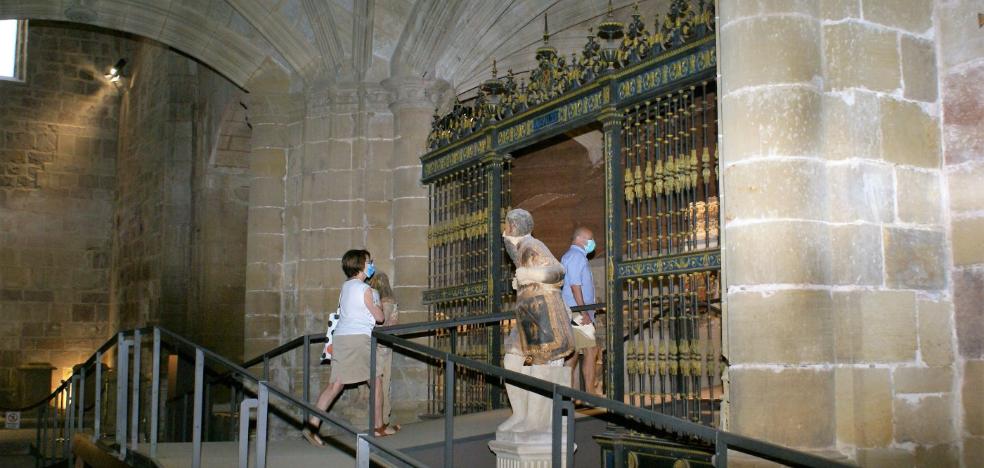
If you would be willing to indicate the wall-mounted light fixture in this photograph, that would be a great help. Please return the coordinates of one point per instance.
(116, 72)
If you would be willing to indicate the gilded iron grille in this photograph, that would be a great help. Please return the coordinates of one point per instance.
(672, 318)
(458, 243)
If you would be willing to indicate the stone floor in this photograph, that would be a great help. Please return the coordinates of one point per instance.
(15, 446)
(422, 440)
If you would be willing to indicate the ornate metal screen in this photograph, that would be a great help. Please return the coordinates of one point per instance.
(655, 97)
(672, 320)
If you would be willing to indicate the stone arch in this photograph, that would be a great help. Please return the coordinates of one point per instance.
(207, 34)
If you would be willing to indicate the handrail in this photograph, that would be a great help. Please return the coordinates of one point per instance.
(722, 440)
(407, 328)
(72, 390)
(392, 336)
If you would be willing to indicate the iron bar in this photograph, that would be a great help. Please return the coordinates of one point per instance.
(70, 420)
(306, 374)
(372, 384)
(97, 387)
(81, 423)
(262, 419)
(244, 408)
(556, 429)
(40, 435)
(449, 370)
(155, 384)
(362, 451)
(196, 441)
(122, 372)
(135, 408)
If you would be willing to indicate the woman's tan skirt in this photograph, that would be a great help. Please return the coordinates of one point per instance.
(350, 361)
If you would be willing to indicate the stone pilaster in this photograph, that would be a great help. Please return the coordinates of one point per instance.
(412, 107)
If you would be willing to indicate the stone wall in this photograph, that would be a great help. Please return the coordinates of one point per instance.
(839, 315)
(960, 52)
(334, 168)
(181, 209)
(220, 189)
(57, 183)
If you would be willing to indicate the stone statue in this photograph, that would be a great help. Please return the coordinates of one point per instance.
(542, 337)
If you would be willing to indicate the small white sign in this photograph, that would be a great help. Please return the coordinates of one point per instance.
(12, 421)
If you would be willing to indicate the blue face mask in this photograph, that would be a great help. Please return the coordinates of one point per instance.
(370, 270)
(590, 246)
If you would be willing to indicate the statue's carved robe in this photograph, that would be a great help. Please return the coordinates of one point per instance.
(542, 317)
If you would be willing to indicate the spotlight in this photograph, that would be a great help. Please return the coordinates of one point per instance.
(116, 71)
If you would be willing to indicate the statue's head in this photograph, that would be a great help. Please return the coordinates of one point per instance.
(519, 222)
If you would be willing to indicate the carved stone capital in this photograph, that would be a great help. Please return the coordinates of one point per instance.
(417, 93)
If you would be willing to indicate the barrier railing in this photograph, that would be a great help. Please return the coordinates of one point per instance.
(563, 397)
(54, 426)
(73, 415)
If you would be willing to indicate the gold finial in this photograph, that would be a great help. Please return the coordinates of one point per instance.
(546, 30)
(494, 71)
(610, 10)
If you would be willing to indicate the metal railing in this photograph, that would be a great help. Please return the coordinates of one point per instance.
(54, 426)
(72, 393)
(563, 397)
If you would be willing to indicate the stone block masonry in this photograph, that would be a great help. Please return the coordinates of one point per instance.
(837, 241)
(960, 60)
(58, 131)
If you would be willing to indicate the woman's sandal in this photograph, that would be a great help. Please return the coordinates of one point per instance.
(385, 430)
(312, 437)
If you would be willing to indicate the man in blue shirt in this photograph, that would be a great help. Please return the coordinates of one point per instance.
(579, 290)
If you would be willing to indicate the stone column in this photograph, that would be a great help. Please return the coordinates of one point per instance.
(834, 248)
(412, 110)
(412, 107)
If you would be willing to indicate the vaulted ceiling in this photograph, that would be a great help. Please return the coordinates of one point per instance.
(348, 40)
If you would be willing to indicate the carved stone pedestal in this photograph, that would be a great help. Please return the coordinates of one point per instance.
(533, 451)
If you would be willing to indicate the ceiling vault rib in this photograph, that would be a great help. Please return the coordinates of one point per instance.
(425, 33)
(362, 17)
(280, 35)
(325, 33)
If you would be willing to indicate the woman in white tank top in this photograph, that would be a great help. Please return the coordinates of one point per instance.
(350, 357)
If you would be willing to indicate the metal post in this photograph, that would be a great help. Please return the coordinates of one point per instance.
(611, 121)
(372, 385)
(266, 368)
(362, 451)
(184, 417)
(244, 431)
(448, 412)
(53, 427)
(70, 420)
(155, 383)
(97, 387)
(261, 424)
(206, 410)
(306, 375)
(196, 441)
(720, 452)
(556, 428)
(135, 404)
(122, 370)
(40, 431)
(81, 423)
(569, 406)
(494, 163)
